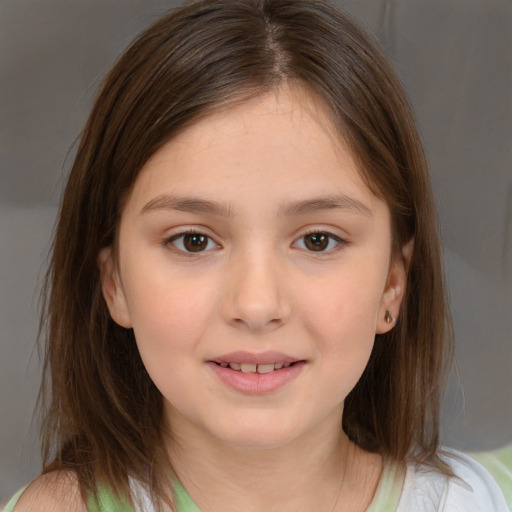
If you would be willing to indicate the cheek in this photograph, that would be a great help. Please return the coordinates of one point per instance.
(342, 314)
(168, 327)
(344, 330)
(168, 314)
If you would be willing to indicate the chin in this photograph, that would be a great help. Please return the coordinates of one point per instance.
(256, 436)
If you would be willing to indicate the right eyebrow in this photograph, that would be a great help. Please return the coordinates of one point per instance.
(188, 204)
(341, 202)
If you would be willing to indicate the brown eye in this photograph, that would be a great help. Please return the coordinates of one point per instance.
(320, 241)
(317, 241)
(192, 242)
(195, 242)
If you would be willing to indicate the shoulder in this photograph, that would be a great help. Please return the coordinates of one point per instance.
(499, 464)
(474, 483)
(53, 492)
(471, 487)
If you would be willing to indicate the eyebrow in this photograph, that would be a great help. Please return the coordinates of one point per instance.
(222, 209)
(188, 204)
(341, 202)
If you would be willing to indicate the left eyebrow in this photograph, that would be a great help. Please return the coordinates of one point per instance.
(188, 204)
(341, 202)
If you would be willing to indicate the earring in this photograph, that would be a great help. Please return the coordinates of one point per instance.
(388, 317)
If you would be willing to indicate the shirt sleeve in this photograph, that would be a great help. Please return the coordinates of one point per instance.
(12, 503)
(473, 487)
(499, 464)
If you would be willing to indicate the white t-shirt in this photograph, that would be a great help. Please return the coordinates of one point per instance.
(473, 489)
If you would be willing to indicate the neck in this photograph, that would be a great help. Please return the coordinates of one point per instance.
(321, 470)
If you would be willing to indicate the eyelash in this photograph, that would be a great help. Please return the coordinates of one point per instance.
(171, 241)
(339, 242)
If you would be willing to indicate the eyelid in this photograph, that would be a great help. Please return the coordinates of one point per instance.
(340, 241)
(169, 241)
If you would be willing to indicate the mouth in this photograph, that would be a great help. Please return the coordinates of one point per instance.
(257, 374)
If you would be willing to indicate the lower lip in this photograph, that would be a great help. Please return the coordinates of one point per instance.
(257, 383)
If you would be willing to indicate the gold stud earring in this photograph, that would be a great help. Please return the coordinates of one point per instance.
(388, 317)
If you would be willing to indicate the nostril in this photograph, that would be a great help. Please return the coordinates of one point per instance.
(256, 322)
(255, 298)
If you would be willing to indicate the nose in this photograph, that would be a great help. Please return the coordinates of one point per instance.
(256, 298)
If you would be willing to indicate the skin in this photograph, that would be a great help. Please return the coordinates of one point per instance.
(55, 492)
(257, 286)
(277, 172)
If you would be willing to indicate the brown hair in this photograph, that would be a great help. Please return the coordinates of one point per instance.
(102, 413)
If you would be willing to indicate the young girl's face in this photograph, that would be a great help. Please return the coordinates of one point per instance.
(254, 266)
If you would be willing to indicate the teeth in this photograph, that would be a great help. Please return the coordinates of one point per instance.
(266, 368)
(253, 368)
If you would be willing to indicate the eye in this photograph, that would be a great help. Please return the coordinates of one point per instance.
(192, 242)
(318, 241)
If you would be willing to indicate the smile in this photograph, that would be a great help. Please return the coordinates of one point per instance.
(256, 374)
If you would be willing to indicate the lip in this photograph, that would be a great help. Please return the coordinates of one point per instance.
(256, 383)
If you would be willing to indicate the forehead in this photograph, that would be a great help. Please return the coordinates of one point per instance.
(282, 141)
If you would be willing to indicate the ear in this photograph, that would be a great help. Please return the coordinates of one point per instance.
(395, 289)
(112, 289)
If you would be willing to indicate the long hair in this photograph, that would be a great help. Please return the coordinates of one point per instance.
(102, 414)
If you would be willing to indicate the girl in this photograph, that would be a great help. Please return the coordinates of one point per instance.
(245, 305)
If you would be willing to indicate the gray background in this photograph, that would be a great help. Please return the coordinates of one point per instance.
(455, 59)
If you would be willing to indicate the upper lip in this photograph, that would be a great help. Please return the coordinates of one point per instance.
(252, 358)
